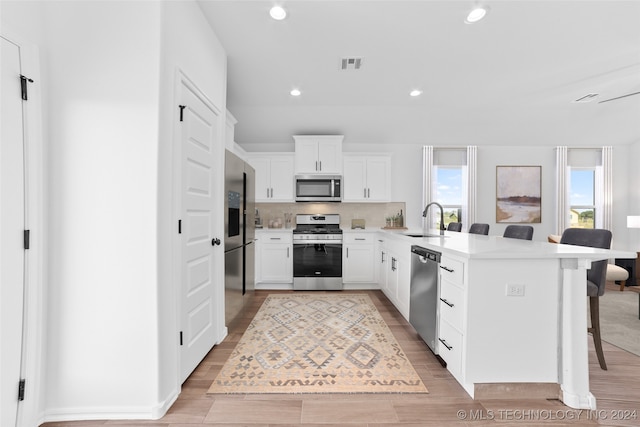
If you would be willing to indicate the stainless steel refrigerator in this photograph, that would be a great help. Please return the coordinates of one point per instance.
(239, 242)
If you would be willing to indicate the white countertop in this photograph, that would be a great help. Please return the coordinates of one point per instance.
(492, 247)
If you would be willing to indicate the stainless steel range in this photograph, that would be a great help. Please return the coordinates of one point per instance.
(317, 253)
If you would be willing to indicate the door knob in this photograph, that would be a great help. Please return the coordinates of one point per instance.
(215, 241)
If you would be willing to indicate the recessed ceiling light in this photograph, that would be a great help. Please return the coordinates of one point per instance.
(295, 92)
(415, 92)
(476, 14)
(278, 13)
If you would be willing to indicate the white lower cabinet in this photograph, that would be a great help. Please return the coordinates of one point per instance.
(452, 311)
(487, 334)
(450, 348)
(393, 260)
(380, 262)
(274, 257)
(358, 258)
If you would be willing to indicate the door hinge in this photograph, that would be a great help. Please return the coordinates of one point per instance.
(21, 390)
(27, 238)
(182, 107)
(179, 226)
(180, 337)
(23, 86)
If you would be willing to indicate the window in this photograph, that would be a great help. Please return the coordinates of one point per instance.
(582, 200)
(449, 193)
(584, 177)
(449, 178)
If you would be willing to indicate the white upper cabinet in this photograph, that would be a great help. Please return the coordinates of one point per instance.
(274, 177)
(367, 178)
(318, 154)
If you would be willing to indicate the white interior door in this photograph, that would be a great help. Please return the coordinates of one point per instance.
(12, 226)
(202, 253)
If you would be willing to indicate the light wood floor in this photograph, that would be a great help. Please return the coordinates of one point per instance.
(617, 392)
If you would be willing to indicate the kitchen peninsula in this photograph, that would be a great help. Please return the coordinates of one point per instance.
(516, 310)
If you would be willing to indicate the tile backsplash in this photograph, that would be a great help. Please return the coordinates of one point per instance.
(374, 214)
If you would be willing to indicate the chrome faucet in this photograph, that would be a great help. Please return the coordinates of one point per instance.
(426, 209)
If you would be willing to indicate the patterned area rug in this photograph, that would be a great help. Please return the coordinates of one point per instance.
(318, 343)
(619, 323)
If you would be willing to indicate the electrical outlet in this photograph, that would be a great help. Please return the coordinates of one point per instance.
(515, 290)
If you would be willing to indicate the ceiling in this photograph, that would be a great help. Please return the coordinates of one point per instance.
(509, 79)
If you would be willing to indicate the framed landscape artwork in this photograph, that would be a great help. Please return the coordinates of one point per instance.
(518, 191)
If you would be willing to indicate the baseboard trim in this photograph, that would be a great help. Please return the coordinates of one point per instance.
(112, 413)
(488, 391)
(161, 409)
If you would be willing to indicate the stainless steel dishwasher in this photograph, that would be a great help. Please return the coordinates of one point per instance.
(423, 304)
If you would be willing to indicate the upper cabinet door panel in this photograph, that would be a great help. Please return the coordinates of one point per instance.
(367, 178)
(378, 179)
(318, 154)
(274, 177)
(262, 166)
(330, 156)
(306, 157)
(282, 181)
(354, 186)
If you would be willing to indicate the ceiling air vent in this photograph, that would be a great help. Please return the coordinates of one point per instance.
(351, 63)
(586, 98)
(615, 98)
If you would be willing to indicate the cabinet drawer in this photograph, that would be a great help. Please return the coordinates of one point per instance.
(358, 238)
(452, 305)
(452, 270)
(275, 237)
(450, 347)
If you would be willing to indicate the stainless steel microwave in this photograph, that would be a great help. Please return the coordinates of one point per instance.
(318, 188)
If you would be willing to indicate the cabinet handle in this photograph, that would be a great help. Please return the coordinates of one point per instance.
(365, 193)
(393, 264)
(368, 193)
(267, 193)
(360, 238)
(445, 268)
(347, 252)
(272, 193)
(287, 252)
(446, 302)
(382, 260)
(449, 347)
(320, 165)
(316, 165)
(275, 238)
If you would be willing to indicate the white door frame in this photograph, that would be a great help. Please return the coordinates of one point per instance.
(33, 357)
(221, 330)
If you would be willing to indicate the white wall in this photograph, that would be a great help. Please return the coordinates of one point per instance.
(102, 104)
(633, 179)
